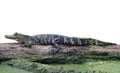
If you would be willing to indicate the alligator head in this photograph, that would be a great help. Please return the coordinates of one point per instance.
(18, 37)
(15, 36)
(21, 38)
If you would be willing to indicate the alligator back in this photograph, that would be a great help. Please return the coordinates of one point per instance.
(49, 38)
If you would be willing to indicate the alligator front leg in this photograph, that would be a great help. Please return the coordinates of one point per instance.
(27, 44)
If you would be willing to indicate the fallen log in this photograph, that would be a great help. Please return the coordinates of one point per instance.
(7, 49)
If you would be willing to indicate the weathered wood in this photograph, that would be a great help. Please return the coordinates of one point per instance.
(7, 49)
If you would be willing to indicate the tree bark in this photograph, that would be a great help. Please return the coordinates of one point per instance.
(7, 49)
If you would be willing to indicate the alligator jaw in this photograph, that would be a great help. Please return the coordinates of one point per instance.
(10, 36)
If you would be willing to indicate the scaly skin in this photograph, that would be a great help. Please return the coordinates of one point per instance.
(55, 40)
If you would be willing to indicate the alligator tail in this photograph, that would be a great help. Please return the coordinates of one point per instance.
(88, 41)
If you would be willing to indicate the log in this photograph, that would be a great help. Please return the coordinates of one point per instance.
(7, 49)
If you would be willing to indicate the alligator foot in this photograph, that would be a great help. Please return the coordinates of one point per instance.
(55, 50)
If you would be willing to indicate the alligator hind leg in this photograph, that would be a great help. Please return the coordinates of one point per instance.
(55, 50)
(56, 47)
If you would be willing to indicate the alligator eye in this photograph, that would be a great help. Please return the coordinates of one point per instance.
(15, 33)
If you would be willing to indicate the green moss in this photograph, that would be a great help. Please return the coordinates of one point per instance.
(41, 68)
(8, 69)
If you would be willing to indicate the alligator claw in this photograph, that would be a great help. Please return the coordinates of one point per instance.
(55, 50)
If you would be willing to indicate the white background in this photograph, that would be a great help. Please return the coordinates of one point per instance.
(98, 19)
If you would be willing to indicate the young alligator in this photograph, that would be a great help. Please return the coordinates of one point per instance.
(55, 40)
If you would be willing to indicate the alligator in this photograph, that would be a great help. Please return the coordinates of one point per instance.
(55, 40)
